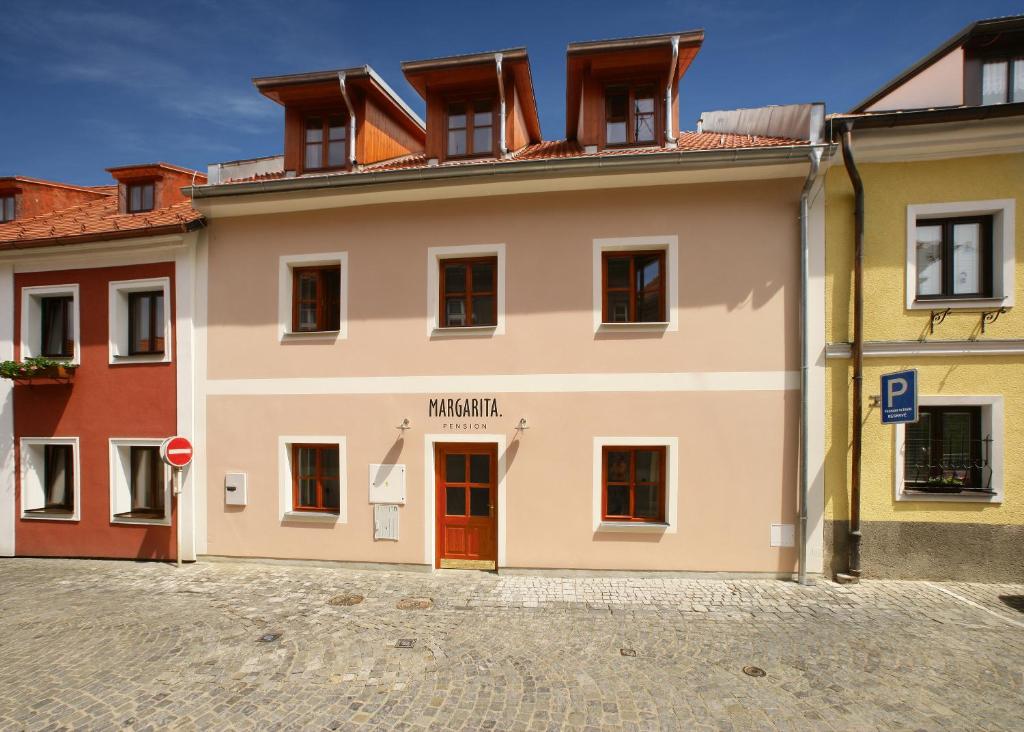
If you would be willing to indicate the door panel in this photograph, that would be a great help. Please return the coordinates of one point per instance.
(467, 502)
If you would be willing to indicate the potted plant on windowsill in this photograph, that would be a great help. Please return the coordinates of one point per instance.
(38, 368)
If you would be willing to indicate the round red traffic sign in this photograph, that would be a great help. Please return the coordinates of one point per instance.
(176, 451)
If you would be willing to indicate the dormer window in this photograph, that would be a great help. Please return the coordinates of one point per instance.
(630, 115)
(139, 197)
(326, 142)
(1002, 80)
(471, 128)
(6, 208)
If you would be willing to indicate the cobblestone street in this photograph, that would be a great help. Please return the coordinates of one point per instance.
(103, 645)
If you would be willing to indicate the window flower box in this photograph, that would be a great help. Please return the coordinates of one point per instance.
(38, 370)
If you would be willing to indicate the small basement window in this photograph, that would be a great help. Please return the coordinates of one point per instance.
(139, 197)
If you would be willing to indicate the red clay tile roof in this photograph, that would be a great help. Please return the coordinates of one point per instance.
(93, 221)
(559, 149)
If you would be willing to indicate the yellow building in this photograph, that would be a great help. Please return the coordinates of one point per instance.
(940, 155)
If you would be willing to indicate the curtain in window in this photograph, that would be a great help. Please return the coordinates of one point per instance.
(56, 326)
(146, 479)
(993, 82)
(57, 476)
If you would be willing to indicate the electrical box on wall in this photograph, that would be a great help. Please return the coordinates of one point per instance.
(385, 521)
(234, 489)
(783, 535)
(387, 484)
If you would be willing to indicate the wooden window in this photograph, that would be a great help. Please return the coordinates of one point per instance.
(326, 142)
(471, 128)
(633, 484)
(316, 299)
(140, 197)
(145, 483)
(316, 480)
(1002, 80)
(469, 292)
(631, 115)
(634, 287)
(146, 322)
(945, 451)
(7, 208)
(954, 257)
(57, 331)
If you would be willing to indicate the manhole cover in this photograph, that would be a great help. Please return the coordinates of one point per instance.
(754, 671)
(269, 637)
(415, 603)
(345, 600)
(405, 643)
(627, 652)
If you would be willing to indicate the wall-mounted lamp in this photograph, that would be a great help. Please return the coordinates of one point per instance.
(522, 424)
(405, 425)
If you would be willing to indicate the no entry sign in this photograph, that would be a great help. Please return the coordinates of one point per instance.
(176, 451)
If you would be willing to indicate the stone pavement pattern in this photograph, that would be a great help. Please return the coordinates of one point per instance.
(105, 645)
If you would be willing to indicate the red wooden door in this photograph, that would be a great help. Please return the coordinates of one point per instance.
(467, 505)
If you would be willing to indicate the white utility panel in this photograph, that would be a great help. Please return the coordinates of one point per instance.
(385, 521)
(234, 489)
(387, 484)
(783, 535)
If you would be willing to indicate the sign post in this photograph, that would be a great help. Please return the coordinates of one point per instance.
(177, 452)
(899, 397)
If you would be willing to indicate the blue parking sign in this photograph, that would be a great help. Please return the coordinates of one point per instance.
(899, 397)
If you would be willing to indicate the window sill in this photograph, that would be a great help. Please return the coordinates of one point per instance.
(648, 326)
(909, 494)
(465, 331)
(119, 359)
(640, 527)
(974, 303)
(48, 514)
(312, 517)
(311, 335)
(140, 519)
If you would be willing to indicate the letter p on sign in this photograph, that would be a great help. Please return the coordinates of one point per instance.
(899, 397)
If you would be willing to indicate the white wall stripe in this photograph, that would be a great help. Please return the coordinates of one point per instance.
(511, 383)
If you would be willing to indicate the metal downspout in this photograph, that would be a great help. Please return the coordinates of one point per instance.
(351, 122)
(502, 146)
(857, 350)
(805, 366)
(670, 140)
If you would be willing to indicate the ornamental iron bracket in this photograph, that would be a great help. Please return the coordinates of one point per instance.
(990, 316)
(937, 317)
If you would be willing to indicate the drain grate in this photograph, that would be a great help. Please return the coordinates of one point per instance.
(345, 600)
(415, 603)
(405, 643)
(754, 671)
(268, 637)
(627, 652)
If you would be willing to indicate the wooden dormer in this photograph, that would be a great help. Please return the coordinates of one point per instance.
(151, 186)
(625, 92)
(338, 120)
(465, 96)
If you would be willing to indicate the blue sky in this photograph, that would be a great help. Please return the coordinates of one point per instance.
(90, 85)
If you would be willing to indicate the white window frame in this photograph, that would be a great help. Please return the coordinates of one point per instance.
(434, 257)
(1003, 213)
(31, 319)
(119, 339)
(31, 484)
(284, 295)
(120, 481)
(671, 445)
(991, 424)
(284, 450)
(670, 245)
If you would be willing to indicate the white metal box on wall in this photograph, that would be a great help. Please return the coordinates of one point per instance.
(387, 484)
(234, 489)
(385, 521)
